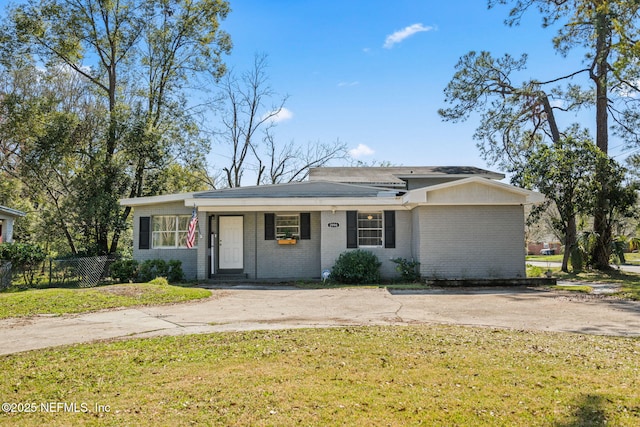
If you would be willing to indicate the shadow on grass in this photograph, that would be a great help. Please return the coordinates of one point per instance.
(629, 282)
(464, 290)
(589, 411)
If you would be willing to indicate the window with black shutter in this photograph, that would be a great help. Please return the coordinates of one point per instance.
(144, 235)
(305, 226)
(269, 226)
(389, 229)
(371, 229)
(352, 229)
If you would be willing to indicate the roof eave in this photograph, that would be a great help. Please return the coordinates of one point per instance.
(531, 197)
(11, 212)
(154, 200)
(294, 203)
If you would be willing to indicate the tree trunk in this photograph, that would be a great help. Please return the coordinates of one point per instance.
(569, 242)
(602, 249)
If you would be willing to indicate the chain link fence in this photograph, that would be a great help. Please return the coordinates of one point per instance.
(83, 272)
(5, 274)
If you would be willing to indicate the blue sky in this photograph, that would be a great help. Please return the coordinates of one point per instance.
(372, 73)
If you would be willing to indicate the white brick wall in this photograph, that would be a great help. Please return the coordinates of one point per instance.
(265, 259)
(471, 242)
(449, 241)
(334, 241)
(301, 261)
(188, 257)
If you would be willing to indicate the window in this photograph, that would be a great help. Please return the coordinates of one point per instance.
(370, 229)
(283, 225)
(170, 231)
(287, 226)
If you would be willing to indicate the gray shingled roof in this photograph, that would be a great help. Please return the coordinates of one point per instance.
(393, 175)
(297, 189)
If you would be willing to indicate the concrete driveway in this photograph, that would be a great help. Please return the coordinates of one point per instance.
(250, 308)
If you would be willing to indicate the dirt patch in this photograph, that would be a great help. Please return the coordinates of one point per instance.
(580, 297)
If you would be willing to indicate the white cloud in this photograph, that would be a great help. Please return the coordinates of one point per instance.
(283, 115)
(348, 84)
(629, 91)
(361, 151)
(557, 103)
(406, 32)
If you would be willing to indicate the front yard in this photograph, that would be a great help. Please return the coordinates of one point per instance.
(628, 282)
(411, 375)
(418, 375)
(29, 302)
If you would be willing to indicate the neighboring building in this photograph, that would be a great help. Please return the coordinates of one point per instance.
(545, 248)
(7, 218)
(458, 222)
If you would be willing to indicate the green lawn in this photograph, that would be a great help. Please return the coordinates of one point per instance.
(629, 282)
(377, 376)
(18, 303)
(633, 258)
(545, 258)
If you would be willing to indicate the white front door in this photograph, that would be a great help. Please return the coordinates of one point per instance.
(230, 243)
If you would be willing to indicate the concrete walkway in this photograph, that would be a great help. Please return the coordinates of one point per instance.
(240, 308)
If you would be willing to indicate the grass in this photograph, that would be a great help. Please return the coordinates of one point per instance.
(428, 375)
(574, 288)
(19, 303)
(545, 258)
(629, 282)
(632, 258)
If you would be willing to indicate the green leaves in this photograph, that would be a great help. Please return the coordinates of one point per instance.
(24, 258)
(109, 111)
(357, 266)
(479, 77)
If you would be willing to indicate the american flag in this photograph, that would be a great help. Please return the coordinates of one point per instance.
(191, 232)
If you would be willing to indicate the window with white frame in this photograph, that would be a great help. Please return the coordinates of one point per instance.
(287, 226)
(370, 229)
(170, 231)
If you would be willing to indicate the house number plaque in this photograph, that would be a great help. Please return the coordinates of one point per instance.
(333, 225)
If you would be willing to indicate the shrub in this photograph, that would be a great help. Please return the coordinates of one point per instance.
(152, 268)
(408, 269)
(159, 281)
(125, 270)
(23, 257)
(356, 267)
(175, 273)
(535, 271)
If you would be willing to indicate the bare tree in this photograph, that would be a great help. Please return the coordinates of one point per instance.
(244, 114)
(248, 121)
(290, 163)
